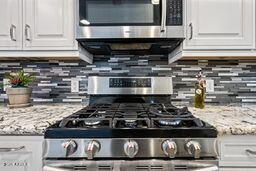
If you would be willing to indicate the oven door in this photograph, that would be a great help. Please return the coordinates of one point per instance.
(135, 165)
(99, 19)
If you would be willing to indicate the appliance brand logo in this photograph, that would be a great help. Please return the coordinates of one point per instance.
(14, 164)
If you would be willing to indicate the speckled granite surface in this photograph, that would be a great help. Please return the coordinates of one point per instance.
(233, 119)
(230, 119)
(33, 120)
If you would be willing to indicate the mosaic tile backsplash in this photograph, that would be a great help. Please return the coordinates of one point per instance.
(235, 80)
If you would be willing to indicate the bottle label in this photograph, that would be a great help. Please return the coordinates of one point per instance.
(198, 91)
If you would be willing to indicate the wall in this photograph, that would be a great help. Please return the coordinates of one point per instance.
(235, 80)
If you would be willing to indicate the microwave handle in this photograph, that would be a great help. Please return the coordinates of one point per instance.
(163, 20)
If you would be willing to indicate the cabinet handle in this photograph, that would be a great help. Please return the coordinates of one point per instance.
(11, 149)
(28, 32)
(13, 32)
(191, 31)
(251, 152)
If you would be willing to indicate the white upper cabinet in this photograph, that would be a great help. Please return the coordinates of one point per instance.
(220, 24)
(10, 24)
(49, 25)
(37, 25)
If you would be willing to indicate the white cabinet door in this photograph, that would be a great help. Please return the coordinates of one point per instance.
(220, 24)
(19, 153)
(237, 151)
(16, 161)
(237, 169)
(49, 25)
(10, 24)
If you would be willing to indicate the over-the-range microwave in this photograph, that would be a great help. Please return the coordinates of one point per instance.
(118, 19)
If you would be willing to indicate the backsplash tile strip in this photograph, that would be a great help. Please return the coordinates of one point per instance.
(235, 80)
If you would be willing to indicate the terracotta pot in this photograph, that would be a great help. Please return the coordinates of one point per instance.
(19, 96)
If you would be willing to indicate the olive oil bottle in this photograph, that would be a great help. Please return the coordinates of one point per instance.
(200, 89)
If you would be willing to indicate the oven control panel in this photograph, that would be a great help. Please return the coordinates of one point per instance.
(129, 82)
(95, 148)
(123, 85)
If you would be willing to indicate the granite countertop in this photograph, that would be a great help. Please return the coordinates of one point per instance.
(33, 120)
(229, 119)
(235, 119)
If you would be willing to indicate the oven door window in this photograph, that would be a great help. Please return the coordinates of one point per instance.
(119, 12)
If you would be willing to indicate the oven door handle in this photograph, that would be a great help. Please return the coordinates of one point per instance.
(201, 166)
(14, 149)
(114, 165)
(72, 168)
(163, 20)
(69, 168)
(210, 168)
(53, 168)
(64, 167)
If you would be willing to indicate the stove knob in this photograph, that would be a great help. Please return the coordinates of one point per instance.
(169, 148)
(92, 148)
(131, 148)
(70, 147)
(193, 148)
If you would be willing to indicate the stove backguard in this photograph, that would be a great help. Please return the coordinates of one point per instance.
(100, 85)
(110, 99)
(103, 89)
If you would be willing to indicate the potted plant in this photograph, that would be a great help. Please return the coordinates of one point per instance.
(19, 93)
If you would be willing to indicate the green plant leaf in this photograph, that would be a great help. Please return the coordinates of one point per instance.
(19, 79)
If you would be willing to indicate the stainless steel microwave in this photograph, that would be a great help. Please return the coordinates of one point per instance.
(118, 19)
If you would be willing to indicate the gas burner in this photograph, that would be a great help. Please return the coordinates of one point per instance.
(95, 118)
(92, 123)
(169, 122)
(131, 123)
(177, 123)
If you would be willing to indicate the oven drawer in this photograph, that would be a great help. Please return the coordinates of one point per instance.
(238, 151)
(130, 165)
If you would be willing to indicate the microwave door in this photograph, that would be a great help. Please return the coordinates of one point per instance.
(121, 19)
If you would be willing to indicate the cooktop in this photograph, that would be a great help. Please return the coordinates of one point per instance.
(126, 120)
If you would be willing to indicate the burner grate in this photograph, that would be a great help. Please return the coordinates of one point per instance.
(131, 123)
(132, 115)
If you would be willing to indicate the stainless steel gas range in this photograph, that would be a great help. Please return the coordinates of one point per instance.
(129, 125)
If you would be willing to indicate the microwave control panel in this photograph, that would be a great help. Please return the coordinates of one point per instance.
(174, 12)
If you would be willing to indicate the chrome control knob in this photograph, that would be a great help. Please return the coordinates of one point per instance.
(131, 148)
(169, 148)
(92, 148)
(193, 148)
(70, 147)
